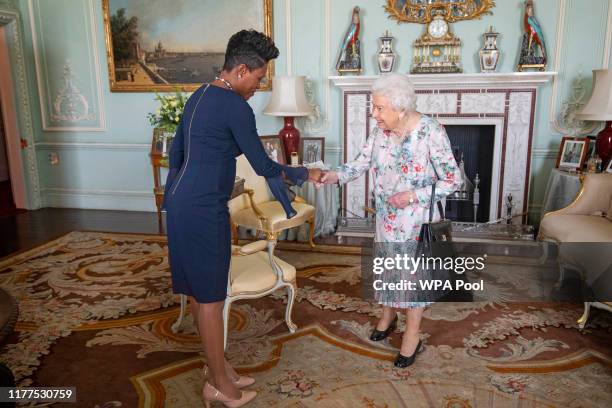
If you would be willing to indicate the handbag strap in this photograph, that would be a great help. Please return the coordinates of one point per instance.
(431, 204)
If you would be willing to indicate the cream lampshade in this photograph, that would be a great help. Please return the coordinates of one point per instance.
(288, 100)
(599, 108)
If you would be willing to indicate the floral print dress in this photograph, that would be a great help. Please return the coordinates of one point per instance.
(422, 158)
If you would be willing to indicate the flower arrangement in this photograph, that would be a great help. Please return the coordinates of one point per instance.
(169, 114)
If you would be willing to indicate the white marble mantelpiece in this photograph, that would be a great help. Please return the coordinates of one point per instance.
(505, 100)
(514, 80)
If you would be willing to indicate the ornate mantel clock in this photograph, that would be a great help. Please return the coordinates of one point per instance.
(438, 50)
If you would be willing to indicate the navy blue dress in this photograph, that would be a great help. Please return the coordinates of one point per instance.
(217, 126)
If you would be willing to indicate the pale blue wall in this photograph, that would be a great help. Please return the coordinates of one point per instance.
(119, 177)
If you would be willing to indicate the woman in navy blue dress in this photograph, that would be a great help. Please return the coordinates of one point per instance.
(217, 126)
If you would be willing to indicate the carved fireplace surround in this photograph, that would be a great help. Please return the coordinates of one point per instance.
(506, 101)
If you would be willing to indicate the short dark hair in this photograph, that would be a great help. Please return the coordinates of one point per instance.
(251, 48)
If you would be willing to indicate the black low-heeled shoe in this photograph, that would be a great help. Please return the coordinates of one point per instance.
(403, 361)
(378, 335)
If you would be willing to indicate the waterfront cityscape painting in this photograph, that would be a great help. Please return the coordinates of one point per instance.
(160, 45)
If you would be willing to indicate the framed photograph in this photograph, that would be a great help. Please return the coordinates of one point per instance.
(572, 153)
(274, 147)
(160, 45)
(312, 149)
(590, 148)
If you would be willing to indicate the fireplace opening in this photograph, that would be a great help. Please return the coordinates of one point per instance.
(472, 145)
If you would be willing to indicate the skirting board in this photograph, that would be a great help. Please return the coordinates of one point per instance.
(99, 199)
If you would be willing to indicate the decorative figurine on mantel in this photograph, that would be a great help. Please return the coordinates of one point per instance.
(438, 50)
(533, 48)
(489, 55)
(349, 60)
(386, 57)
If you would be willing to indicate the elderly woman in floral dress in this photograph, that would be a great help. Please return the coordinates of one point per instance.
(406, 153)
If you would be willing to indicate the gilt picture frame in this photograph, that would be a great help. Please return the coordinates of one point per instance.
(274, 148)
(164, 46)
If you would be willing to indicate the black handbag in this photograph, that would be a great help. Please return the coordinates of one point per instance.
(435, 241)
(435, 238)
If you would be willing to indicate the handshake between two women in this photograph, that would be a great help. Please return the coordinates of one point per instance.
(320, 177)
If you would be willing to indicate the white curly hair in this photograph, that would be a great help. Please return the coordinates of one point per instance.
(398, 89)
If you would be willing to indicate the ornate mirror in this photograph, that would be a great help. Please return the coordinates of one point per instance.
(423, 11)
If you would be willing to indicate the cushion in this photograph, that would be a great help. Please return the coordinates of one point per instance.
(253, 273)
(277, 218)
(576, 228)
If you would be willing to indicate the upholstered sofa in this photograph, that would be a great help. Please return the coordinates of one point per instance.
(583, 232)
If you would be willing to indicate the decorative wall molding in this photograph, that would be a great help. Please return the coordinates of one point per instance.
(318, 122)
(289, 37)
(57, 115)
(314, 122)
(99, 199)
(11, 22)
(145, 147)
(608, 42)
(561, 56)
(544, 154)
(70, 104)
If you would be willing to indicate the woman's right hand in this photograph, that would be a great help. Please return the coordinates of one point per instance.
(329, 177)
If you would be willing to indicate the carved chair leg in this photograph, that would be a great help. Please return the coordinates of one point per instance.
(179, 322)
(291, 289)
(226, 313)
(234, 233)
(311, 224)
(585, 315)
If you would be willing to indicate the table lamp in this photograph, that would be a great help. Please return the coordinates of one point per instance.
(288, 100)
(599, 108)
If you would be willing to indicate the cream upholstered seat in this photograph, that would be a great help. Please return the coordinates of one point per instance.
(254, 272)
(587, 219)
(257, 208)
(582, 220)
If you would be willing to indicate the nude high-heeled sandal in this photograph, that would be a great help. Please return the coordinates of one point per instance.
(239, 382)
(211, 394)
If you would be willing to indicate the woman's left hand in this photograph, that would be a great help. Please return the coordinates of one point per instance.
(403, 199)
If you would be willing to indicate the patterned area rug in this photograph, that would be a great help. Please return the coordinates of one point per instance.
(97, 310)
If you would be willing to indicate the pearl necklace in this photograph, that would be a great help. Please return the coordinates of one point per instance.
(225, 82)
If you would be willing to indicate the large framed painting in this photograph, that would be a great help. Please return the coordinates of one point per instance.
(161, 45)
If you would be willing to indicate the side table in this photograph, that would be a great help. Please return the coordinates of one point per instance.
(561, 190)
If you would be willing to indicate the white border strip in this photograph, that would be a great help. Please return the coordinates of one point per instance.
(119, 193)
(289, 37)
(327, 62)
(43, 97)
(92, 146)
(608, 43)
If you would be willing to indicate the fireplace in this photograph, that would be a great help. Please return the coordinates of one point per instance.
(473, 147)
(496, 109)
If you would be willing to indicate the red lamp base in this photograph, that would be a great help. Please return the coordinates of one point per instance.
(290, 137)
(603, 144)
